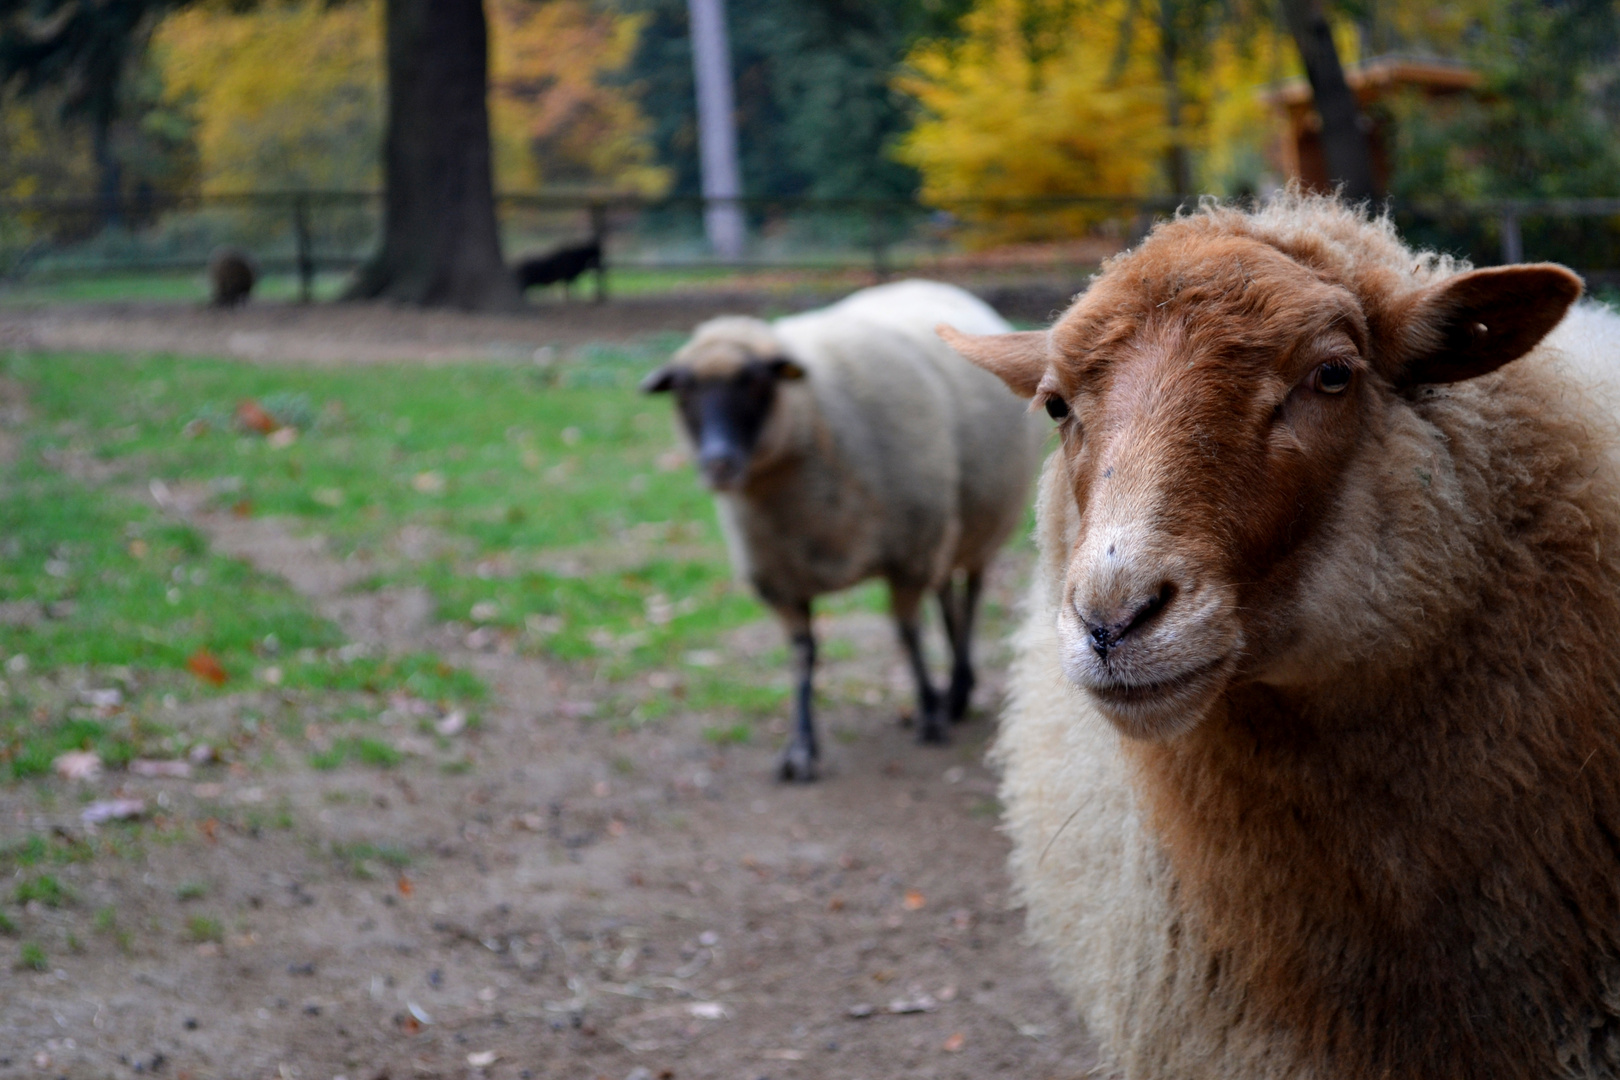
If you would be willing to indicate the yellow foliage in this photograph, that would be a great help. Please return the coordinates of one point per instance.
(289, 96)
(1077, 110)
(556, 118)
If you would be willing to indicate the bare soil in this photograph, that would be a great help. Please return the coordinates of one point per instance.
(588, 899)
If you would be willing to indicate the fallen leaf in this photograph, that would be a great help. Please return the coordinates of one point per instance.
(78, 765)
(242, 508)
(953, 1045)
(138, 549)
(405, 886)
(481, 1059)
(914, 900)
(835, 904)
(112, 810)
(206, 667)
(179, 770)
(251, 415)
(210, 829)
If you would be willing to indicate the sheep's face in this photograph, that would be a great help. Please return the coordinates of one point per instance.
(1214, 400)
(725, 395)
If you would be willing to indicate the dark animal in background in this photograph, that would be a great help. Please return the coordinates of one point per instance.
(850, 443)
(231, 276)
(559, 267)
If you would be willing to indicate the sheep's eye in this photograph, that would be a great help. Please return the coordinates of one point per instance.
(1331, 378)
(1056, 407)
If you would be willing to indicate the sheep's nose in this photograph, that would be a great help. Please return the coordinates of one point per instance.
(721, 465)
(1108, 628)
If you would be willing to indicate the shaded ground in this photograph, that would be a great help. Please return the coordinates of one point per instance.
(558, 888)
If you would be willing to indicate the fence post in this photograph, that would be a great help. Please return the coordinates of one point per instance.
(306, 262)
(599, 238)
(1512, 239)
(879, 242)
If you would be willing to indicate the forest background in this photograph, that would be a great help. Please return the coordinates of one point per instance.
(936, 99)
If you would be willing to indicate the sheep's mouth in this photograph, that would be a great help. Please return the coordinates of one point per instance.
(1138, 702)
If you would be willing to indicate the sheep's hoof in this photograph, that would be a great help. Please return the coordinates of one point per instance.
(934, 731)
(798, 765)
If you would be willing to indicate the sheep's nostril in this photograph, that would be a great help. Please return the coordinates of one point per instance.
(1108, 630)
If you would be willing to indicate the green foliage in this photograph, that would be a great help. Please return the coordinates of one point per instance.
(205, 928)
(816, 115)
(1544, 124)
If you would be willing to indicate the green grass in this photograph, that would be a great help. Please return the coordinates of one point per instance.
(503, 462)
(184, 286)
(31, 955)
(204, 928)
(43, 888)
(360, 751)
(190, 890)
(366, 860)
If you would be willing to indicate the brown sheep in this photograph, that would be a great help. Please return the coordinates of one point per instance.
(1312, 763)
(231, 276)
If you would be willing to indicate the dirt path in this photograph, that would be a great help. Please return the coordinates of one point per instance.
(363, 332)
(374, 332)
(587, 900)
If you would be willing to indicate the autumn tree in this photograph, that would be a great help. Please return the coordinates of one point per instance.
(1050, 97)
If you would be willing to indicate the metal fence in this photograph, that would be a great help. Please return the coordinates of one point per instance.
(311, 233)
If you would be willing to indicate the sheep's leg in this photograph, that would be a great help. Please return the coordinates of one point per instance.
(931, 725)
(959, 608)
(800, 757)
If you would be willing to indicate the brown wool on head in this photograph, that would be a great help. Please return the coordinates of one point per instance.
(1313, 757)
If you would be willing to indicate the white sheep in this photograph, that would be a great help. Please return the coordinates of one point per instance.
(850, 443)
(1312, 758)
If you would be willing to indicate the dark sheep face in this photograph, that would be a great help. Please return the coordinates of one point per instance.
(725, 414)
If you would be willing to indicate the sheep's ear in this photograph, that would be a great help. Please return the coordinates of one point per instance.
(1474, 323)
(1019, 359)
(786, 370)
(660, 381)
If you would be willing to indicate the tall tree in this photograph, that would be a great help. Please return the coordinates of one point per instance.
(816, 112)
(440, 246)
(1344, 140)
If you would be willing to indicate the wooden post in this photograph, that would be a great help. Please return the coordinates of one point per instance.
(599, 238)
(1512, 239)
(306, 260)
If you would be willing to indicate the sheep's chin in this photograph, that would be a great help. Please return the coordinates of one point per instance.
(1155, 711)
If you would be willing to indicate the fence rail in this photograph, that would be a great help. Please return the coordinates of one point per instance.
(307, 233)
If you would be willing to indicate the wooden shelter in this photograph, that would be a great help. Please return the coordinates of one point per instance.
(1298, 155)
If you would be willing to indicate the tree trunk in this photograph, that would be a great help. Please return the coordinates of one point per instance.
(1344, 142)
(109, 181)
(440, 246)
(1178, 170)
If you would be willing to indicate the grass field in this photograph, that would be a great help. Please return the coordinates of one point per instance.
(562, 519)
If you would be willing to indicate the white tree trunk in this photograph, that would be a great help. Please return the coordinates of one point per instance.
(717, 128)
